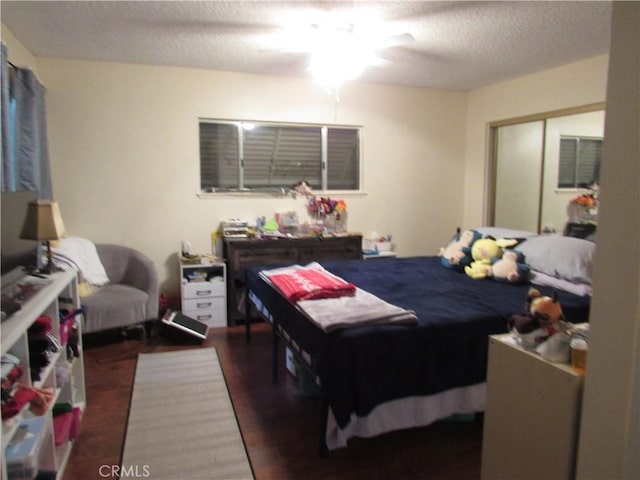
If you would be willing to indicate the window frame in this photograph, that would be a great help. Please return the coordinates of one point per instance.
(576, 167)
(324, 161)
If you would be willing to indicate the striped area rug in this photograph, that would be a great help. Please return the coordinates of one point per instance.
(181, 421)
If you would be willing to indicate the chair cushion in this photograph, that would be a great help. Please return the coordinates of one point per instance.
(114, 306)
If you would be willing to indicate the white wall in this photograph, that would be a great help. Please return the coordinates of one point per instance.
(123, 143)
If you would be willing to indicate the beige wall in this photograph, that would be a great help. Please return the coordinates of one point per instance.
(17, 53)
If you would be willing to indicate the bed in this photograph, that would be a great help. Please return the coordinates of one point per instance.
(379, 378)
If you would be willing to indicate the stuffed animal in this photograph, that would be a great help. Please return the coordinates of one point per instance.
(543, 318)
(547, 310)
(509, 268)
(483, 251)
(457, 254)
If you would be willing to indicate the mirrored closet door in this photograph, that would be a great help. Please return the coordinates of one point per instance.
(540, 163)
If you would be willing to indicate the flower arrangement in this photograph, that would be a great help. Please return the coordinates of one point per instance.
(588, 199)
(585, 200)
(325, 207)
(583, 208)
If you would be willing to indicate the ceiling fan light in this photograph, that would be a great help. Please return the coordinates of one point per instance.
(334, 69)
(339, 57)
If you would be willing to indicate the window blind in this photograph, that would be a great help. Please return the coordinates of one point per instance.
(277, 156)
(580, 160)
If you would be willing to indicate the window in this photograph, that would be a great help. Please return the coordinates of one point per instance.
(242, 156)
(580, 159)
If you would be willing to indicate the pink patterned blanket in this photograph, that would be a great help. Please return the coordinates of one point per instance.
(311, 284)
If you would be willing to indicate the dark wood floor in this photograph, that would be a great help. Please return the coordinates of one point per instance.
(280, 426)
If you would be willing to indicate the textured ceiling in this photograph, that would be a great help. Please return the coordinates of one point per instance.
(458, 45)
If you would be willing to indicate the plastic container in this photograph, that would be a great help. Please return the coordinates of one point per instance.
(383, 246)
(24, 451)
(579, 348)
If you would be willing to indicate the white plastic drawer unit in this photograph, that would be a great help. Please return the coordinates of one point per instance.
(213, 288)
(204, 293)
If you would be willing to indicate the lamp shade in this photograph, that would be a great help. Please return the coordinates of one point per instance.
(43, 221)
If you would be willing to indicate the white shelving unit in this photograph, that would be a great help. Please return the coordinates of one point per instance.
(55, 292)
(203, 292)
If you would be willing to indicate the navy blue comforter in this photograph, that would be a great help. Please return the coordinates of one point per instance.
(363, 367)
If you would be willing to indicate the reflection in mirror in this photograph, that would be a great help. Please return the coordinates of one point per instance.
(542, 165)
(518, 175)
(556, 200)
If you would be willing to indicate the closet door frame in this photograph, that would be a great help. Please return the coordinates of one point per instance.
(493, 152)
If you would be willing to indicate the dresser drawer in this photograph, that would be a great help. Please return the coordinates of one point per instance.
(330, 250)
(201, 304)
(269, 254)
(214, 316)
(196, 290)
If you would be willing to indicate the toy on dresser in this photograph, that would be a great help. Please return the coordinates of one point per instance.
(543, 327)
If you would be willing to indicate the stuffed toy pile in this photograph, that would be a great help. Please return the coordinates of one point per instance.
(484, 257)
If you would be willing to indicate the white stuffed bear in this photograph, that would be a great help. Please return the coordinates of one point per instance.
(509, 268)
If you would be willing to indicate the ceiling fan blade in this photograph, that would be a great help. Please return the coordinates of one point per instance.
(397, 40)
(378, 61)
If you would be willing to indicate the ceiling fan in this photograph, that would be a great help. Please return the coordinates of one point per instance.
(338, 51)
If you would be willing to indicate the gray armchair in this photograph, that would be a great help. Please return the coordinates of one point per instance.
(131, 296)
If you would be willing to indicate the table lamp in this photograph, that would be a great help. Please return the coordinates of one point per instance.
(44, 223)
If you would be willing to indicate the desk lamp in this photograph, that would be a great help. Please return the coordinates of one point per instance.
(44, 223)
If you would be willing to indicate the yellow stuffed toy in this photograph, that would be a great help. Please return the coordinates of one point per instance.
(484, 251)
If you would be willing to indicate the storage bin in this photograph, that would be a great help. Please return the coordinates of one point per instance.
(307, 385)
(75, 424)
(62, 427)
(24, 452)
(290, 362)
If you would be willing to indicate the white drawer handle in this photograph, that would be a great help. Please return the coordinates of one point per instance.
(204, 317)
(204, 305)
(203, 293)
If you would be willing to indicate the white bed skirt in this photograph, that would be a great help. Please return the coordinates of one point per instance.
(407, 412)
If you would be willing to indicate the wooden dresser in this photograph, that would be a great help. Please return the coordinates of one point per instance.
(242, 253)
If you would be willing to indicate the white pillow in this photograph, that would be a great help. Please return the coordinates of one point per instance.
(562, 257)
(499, 232)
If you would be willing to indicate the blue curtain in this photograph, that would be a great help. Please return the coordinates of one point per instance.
(7, 164)
(25, 154)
